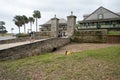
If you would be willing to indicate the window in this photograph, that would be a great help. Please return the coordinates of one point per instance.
(100, 16)
(98, 26)
(92, 24)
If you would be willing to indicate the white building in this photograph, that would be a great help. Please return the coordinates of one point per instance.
(101, 18)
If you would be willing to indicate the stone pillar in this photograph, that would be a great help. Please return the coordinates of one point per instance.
(54, 26)
(71, 22)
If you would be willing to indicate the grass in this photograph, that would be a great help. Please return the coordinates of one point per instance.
(100, 64)
(114, 33)
(5, 35)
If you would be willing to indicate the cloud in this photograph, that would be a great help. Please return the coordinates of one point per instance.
(49, 8)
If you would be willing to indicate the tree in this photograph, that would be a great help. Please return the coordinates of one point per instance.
(36, 15)
(2, 28)
(25, 21)
(31, 20)
(18, 21)
(2, 23)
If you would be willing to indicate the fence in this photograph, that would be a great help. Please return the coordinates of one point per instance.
(113, 38)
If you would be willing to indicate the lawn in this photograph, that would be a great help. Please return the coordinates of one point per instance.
(100, 64)
(5, 35)
(114, 33)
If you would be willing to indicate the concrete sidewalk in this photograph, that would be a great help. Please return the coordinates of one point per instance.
(10, 45)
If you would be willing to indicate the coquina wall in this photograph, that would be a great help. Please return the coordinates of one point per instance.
(32, 49)
(93, 36)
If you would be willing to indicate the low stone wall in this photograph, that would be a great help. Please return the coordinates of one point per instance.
(32, 49)
(90, 36)
(43, 33)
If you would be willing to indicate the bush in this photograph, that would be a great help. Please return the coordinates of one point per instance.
(22, 35)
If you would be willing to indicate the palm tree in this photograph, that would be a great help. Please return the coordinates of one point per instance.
(2, 23)
(18, 21)
(25, 21)
(31, 20)
(36, 15)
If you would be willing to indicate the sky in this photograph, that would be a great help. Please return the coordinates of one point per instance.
(49, 8)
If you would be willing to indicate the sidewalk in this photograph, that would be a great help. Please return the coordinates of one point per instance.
(10, 45)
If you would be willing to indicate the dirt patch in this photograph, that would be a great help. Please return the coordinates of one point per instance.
(78, 47)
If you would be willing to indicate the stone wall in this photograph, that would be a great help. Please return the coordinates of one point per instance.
(32, 49)
(93, 36)
(43, 33)
(54, 27)
(71, 22)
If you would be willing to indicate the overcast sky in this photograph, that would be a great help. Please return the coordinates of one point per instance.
(48, 8)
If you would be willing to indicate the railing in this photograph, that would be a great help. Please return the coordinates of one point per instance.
(101, 27)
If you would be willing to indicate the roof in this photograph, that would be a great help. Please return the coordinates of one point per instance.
(48, 22)
(93, 17)
(100, 20)
(61, 21)
(118, 13)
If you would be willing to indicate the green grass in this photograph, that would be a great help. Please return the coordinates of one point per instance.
(5, 34)
(100, 64)
(114, 33)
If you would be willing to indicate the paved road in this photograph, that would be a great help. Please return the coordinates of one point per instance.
(10, 45)
(6, 38)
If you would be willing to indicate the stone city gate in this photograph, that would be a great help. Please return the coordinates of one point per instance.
(57, 27)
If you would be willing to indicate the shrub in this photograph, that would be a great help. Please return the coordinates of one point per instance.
(22, 35)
